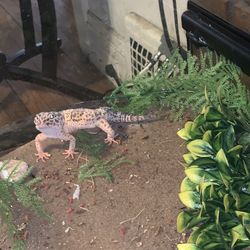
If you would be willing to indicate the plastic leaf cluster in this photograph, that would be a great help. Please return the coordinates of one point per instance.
(216, 189)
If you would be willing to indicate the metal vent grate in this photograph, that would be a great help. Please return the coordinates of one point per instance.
(140, 58)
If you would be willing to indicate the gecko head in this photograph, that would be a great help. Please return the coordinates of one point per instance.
(45, 120)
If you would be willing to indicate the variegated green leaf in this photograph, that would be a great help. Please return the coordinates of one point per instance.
(207, 190)
(244, 139)
(183, 220)
(198, 121)
(206, 237)
(187, 220)
(207, 136)
(238, 234)
(245, 219)
(190, 199)
(223, 165)
(194, 234)
(211, 114)
(184, 134)
(227, 201)
(196, 175)
(187, 185)
(188, 158)
(229, 138)
(204, 162)
(200, 148)
(187, 246)
(189, 132)
(217, 141)
(234, 151)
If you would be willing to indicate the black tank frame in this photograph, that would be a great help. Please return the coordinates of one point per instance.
(10, 65)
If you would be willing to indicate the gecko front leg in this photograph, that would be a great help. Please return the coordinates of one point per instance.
(104, 125)
(72, 144)
(41, 155)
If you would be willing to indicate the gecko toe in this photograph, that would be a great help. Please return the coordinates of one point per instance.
(109, 141)
(43, 156)
(69, 153)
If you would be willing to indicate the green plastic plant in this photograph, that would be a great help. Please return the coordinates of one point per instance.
(18, 191)
(90, 144)
(179, 85)
(97, 166)
(216, 189)
(102, 168)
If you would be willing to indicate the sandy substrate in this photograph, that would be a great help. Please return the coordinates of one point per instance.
(137, 211)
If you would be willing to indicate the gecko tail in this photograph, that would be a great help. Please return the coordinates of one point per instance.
(122, 117)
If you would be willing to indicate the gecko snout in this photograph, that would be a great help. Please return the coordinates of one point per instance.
(37, 120)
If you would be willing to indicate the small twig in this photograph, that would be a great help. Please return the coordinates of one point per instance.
(3, 240)
(79, 157)
(165, 141)
(132, 219)
(93, 184)
(68, 229)
(84, 208)
(135, 238)
(175, 239)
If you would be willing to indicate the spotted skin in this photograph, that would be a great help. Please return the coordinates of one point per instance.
(62, 124)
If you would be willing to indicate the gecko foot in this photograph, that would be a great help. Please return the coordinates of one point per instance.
(110, 140)
(43, 156)
(69, 153)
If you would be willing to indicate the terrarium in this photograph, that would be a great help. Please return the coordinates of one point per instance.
(124, 124)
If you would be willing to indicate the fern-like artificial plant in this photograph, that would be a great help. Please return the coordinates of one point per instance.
(18, 191)
(179, 85)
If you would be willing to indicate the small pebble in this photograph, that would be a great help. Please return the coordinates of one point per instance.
(139, 244)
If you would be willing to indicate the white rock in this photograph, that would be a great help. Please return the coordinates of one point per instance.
(15, 168)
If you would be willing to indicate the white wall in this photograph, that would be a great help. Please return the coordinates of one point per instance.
(103, 30)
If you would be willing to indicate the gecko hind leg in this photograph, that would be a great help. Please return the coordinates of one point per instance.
(105, 126)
